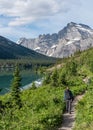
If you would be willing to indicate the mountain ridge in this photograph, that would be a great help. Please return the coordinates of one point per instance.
(73, 37)
(11, 50)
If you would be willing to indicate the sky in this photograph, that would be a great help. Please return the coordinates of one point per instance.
(30, 18)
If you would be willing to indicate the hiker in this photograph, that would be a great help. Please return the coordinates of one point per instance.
(68, 97)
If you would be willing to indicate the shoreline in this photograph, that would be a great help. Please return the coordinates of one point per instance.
(37, 83)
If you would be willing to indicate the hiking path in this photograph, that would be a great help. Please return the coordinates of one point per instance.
(68, 120)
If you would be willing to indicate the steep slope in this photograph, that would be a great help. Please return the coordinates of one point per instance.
(74, 37)
(11, 50)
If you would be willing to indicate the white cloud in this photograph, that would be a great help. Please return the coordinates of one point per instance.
(29, 18)
(27, 11)
(14, 33)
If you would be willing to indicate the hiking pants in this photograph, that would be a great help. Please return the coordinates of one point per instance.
(68, 105)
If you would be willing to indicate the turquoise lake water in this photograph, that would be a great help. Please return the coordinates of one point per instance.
(6, 80)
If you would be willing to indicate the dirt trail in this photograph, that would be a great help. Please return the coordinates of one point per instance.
(69, 119)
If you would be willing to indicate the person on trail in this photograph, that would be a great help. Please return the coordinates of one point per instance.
(68, 97)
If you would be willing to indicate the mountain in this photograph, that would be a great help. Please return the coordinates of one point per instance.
(74, 37)
(11, 50)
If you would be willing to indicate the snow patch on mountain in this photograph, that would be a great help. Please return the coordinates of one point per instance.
(72, 40)
(54, 46)
(37, 48)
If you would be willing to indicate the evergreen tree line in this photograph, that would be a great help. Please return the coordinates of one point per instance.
(60, 77)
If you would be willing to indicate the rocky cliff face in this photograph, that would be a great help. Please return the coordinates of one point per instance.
(74, 37)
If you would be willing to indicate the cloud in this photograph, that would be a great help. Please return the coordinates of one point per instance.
(29, 18)
(28, 11)
(15, 33)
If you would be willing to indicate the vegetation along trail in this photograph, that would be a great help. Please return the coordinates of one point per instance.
(69, 119)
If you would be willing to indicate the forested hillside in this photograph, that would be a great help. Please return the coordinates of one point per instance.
(42, 108)
(11, 50)
(12, 53)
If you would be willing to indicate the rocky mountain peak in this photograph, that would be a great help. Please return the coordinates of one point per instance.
(71, 24)
(66, 42)
(85, 26)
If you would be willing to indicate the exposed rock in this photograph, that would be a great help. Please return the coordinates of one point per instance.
(74, 37)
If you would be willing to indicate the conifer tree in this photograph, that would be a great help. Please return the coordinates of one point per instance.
(33, 86)
(54, 78)
(73, 68)
(47, 79)
(15, 88)
(62, 78)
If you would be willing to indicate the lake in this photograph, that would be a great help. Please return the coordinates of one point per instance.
(6, 80)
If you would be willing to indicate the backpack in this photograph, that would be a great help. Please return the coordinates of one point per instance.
(68, 95)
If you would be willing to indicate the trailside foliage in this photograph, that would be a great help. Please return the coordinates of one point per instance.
(84, 118)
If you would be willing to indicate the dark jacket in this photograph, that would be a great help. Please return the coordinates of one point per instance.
(68, 95)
